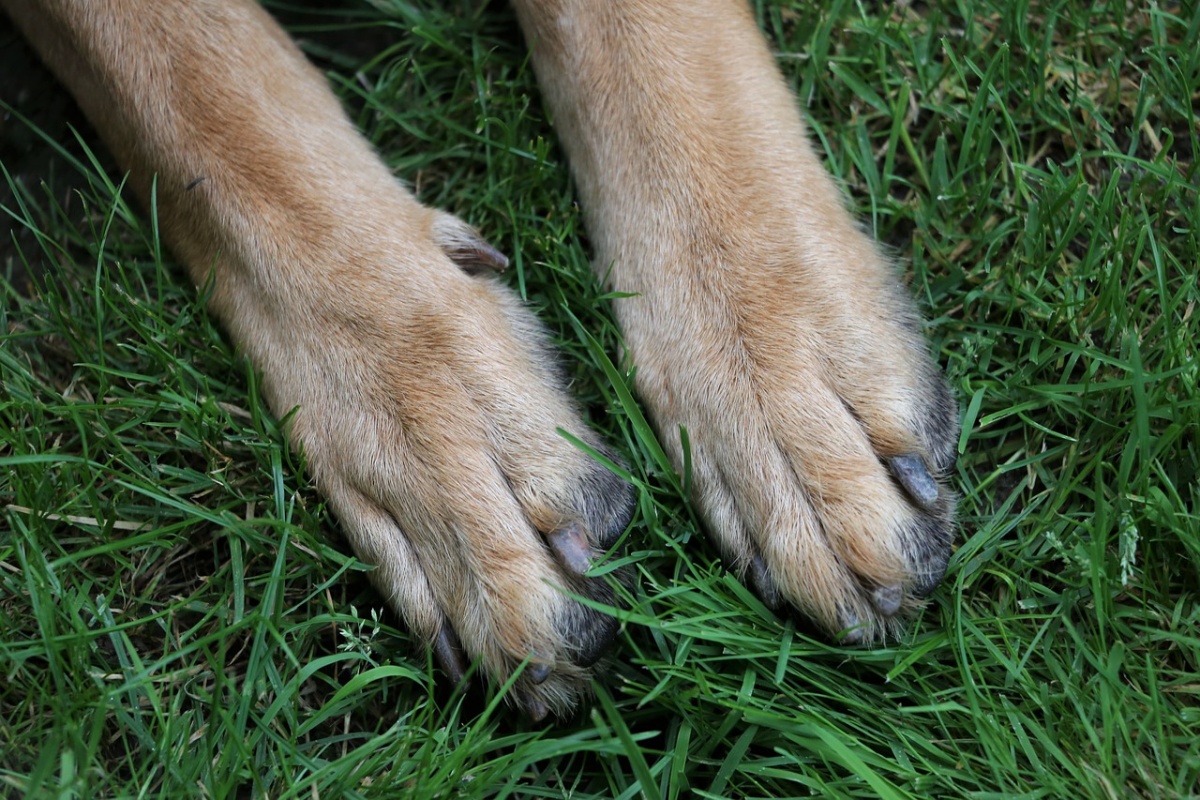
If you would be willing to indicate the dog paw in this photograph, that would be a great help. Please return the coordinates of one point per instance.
(428, 408)
(821, 433)
(757, 315)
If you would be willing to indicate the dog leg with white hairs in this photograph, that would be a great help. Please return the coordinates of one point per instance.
(758, 314)
(427, 405)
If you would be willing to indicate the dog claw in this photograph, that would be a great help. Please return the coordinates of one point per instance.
(887, 599)
(465, 246)
(571, 547)
(535, 709)
(914, 476)
(478, 257)
(852, 632)
(538, 673)
(448, 652)
(764, 584)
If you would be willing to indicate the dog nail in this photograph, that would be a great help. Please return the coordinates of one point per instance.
(887, 599)
(465, 247)
(477, 257)
(912, 474)
(571, 547)
(852, 633)
(536, 709)
(764, 584)
(448, 653)
(537, 673)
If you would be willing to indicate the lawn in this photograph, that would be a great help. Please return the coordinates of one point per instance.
(179, 615)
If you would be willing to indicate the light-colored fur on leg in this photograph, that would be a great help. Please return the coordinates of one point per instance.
(759, 317)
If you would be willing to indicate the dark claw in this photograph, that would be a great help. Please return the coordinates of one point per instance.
(448, 653)
(928, 544)
(476, 256)
(572, 548)
(852, 634)
(913, 475)
(887, 599)
(536, 709)
(764, 585)
(928, 582)
(607, 519)
(590, 634)
(465, 246)
(538, 673)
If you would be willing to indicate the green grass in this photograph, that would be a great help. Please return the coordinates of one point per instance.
(179, 617)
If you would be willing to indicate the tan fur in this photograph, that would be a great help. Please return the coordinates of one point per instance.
(763, 320)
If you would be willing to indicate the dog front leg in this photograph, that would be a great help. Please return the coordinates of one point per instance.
(757, 313)
(426, 404)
